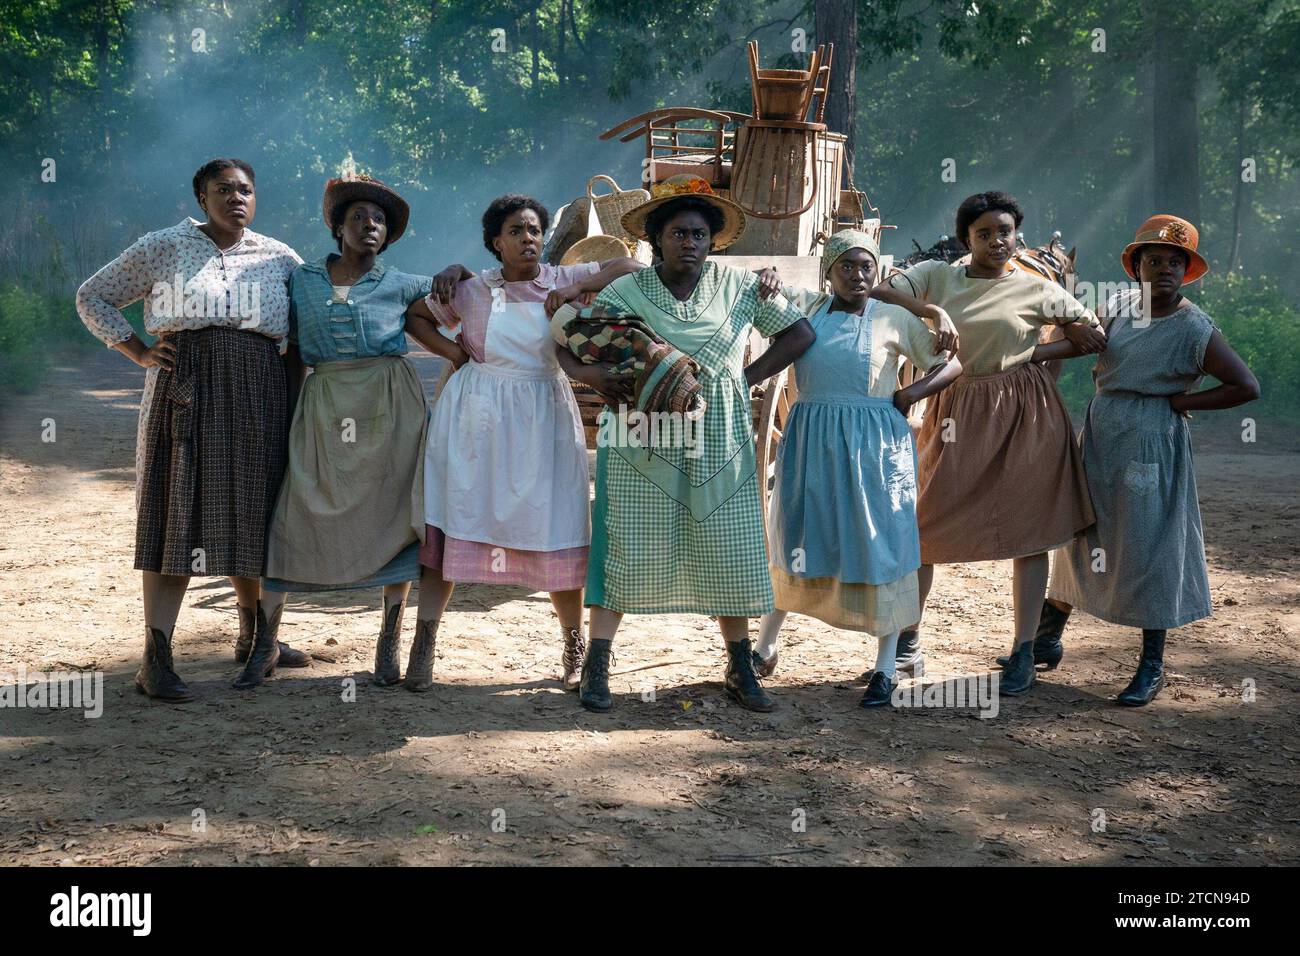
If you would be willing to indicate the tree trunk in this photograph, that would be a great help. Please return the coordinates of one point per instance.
(536, 42)
(103, 79)
(1239, 194)
(1175, 127)
(836, 21)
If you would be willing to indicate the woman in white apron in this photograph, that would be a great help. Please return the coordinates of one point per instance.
(506, 476)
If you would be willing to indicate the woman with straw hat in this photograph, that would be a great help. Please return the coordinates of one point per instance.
(1143, 563)
(842, 520)
(678, 529)
(350, 513)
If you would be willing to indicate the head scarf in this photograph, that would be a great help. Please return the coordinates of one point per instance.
(842, 242)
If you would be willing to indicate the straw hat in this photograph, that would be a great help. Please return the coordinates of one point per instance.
(1167, 231)
(677, 187)
(355, 186)
(594, 249)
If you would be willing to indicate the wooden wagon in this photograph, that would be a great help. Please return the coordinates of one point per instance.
(784, 168)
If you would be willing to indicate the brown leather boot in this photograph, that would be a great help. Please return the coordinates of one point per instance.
(265, 655)
(388, 651)
(575, 649)
(156, 676)
(248, 627)
(419, 669)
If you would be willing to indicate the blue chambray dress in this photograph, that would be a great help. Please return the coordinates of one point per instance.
(842, 519)
(1143, 563)
(350, 512)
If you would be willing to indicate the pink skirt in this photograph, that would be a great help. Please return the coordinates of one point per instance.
(476, 562)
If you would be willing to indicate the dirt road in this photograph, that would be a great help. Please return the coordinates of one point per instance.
(498, 765)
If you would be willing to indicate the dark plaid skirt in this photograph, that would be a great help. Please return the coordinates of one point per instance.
(215, 447)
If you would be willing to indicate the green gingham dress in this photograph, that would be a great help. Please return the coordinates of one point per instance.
(677, 528)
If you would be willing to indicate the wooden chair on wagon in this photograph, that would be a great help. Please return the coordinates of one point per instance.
(672, 148)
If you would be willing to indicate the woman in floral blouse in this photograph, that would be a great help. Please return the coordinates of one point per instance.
(210, 445)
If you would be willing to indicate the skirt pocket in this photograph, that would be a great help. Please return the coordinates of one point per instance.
(182, 395)
(1141, 477)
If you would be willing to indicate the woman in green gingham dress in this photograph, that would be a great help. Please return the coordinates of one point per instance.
(677, 528)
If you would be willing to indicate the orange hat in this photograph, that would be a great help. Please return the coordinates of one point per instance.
(1167, 231)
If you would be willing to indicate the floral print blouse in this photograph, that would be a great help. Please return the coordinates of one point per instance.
(188, 283)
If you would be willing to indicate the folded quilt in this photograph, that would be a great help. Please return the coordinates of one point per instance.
(651, 375)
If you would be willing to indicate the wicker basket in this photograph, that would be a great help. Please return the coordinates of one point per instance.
(611, 206)
(595, 249)
(572, 223)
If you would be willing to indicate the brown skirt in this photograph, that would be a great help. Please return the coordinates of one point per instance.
(214, 453)
(1000, 473)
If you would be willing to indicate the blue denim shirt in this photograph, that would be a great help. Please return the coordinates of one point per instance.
(371, 322)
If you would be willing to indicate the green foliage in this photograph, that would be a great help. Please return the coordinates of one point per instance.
(33, 327)
(1263, 327)
(23, 315)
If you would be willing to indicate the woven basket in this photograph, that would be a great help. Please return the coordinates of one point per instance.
(572, 223)
(611, 206)
(595, 249)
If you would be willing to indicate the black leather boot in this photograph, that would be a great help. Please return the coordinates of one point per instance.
(879, 691)
(248, 627)
(593, 687)
(419, 669)
(265, 655)
(156, 676)
(388, 650)
(1150, 675)
(908, 659)
(765, 667)
(741, 682)
(1047, 640)
(1019, 674)
(575, 649)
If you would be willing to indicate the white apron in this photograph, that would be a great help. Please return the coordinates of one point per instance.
(506, 459)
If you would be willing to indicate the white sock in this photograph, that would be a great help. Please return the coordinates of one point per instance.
(769, 634)
(886, 650)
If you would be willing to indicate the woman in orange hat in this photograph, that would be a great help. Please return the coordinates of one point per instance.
(1143, 563)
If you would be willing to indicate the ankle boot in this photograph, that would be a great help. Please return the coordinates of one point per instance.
(1047, 640)
(741, 682)
(765, 667)
(248, 627)
(265, 655)
(908, 659)
(593, 687)
(419, 669)
(571, 660)
(1150, 675)
(388, 650)
(156, 677)
(879, 690)
(1018, 675)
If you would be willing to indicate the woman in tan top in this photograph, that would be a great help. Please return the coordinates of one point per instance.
(1000, 473)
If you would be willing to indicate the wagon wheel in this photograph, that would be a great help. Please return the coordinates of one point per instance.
(769, 424)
